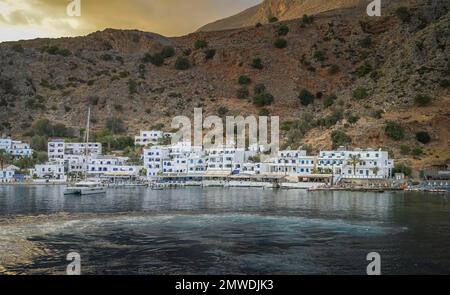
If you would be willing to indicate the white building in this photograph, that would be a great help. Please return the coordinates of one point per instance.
(290, 163)
(366, 164)
(58, 149)
(7, 175)
(100, 166)
(151, 137)
(15, 148)
(50, 171)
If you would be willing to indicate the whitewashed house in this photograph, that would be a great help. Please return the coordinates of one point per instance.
(7, 175)
(357, 164)
(17, 149)
(50, 171)
(151, 137)
(58, 149)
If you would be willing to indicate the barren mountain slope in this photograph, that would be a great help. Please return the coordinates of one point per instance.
(375, 67)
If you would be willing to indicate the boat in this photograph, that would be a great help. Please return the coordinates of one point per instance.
(85, 188)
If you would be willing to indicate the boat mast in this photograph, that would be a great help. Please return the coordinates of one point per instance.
(86, 143)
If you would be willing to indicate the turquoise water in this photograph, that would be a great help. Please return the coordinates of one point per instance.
(229, 231)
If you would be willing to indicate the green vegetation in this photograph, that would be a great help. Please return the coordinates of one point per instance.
(422, 100)
(296, 130)
(394, 130)
(200, 44)
(257, 63)
(272, 19)
(306, 19)
(403, 14)
(55, 50)
(360, 93)
(320, 55)
(329, 100)
(366, 42)
(264, 112)
(280, 43)
(402, 168)
(417, 152)
(352, 119)
(106, 57)
(210, 53)
(222, 111)
(244, 80)
(259, 88)
(340, 138)
(182, 63)
(306, 97)
(132, 86)
(282, 30)
(263, 99)
(405, 149)
(377, 114)
(363, 70)
(93, 100)
(156, 59)
(423, 137)
(242, 93)
(167, 51)
(331, 119)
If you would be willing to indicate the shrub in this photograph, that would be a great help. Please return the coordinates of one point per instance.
(360, 93)
(242, 93)
(182, 63)
(39, 143)
(422, 100)
(331, 119)
(329, 100)
(280, 43)
(263, 99)
(200, 44)
(258, 25)
(306, 19)
(222, 111)
(282, 30)
(93, 100)
(18, 48)
(106, 57)
(366, 42)
(394, 130)
(352, 119)
(118, 107)
(257, 63)
(244, 80)
(340, 138)
(423, 137)
(272, 19)
(210, 53)
(167, 51)
(363, 70)
(319, 55)
(132, 86)
(306, 97)
(264, 112)
(67, 108)
(405, 149)
(403, 14)
(416, 152)
(402, 168)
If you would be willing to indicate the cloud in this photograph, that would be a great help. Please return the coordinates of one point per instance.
(166, 17)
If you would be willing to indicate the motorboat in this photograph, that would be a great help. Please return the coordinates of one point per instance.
(85, 188)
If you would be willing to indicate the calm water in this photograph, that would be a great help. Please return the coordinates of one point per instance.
(230, 231)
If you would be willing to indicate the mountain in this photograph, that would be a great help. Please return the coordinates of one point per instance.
(281, 9)
(363, 82)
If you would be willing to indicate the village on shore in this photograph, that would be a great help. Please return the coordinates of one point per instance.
(182, 164)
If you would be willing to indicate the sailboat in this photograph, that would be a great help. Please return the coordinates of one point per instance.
(86, 187)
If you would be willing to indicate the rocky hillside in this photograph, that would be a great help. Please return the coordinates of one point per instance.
(279, 9)
(340, 78)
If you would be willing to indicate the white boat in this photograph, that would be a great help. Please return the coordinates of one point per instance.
(85, 188)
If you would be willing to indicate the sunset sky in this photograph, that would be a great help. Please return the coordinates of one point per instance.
(28, 19)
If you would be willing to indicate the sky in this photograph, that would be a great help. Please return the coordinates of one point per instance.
(29, 19)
